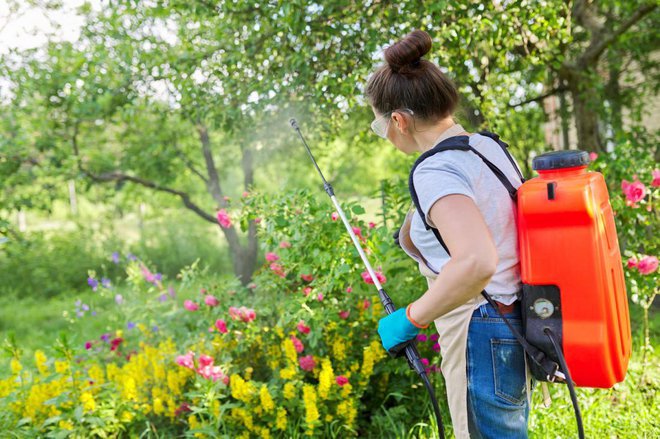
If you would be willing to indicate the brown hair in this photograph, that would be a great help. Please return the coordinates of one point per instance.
(408, 81)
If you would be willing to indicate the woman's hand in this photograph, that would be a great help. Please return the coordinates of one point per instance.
(395, 330)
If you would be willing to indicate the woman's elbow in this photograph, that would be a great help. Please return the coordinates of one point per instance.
(482, 266)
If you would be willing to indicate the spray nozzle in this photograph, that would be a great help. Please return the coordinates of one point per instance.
(294, 124)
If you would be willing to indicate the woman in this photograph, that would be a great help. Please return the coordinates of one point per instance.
(461, 198)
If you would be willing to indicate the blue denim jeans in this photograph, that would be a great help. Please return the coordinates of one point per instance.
(497, 397)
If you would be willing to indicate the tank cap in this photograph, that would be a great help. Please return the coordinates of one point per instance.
(560, 159)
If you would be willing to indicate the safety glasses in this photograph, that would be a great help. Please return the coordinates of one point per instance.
(380, 125)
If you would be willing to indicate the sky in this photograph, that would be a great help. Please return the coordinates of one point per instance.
(29, 27)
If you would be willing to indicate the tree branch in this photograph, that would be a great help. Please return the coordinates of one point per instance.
(598, 45)
(189, 164)
(552, 92)
(214, 181)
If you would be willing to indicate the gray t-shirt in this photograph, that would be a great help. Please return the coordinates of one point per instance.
(463, 172)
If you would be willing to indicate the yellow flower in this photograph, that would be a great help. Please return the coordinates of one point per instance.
(7, 386)
(243, 416)
(65, 425)
(126, 416)
(192, 422)
(248, 373)
(88, 403)
(288, 372)
(309, 401)
(96, 374)
(15, 366)
(266, 400)
(372, 354)
(159, 408)
(40, 360)
(347, 411)
(290, 351)
(241, 389)
(280, 422)
(289, 391)
(61, 367)
(326, 378)
(339, 349)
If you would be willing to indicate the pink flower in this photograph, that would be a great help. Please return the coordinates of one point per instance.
(271, 257)
(656, 178)
(634, 192)
(421, 337)
(366, 304)
(252, 285)
(647, 265)
(632, 262)
(226, 198)
(372, 225)
(341, 380)
(223, 218)
(307, 277)
(205, 360)
(307, 363)
(88, 345)
(257, 220)
(349, 289)
(190, 305)
(211, 300)
(297, 344)
(186, 360)
(277, 269)
(242, 313)
(593, 156)
(304, 329)
(435, 337)
(367, 277)
(436, 347)
(425, 361)
(319, 297)
(358, 232)
(344, 314)
(307, 290)
(221, 326)
(334, 216)
(285, 244)
(217, 374)
(245, 194)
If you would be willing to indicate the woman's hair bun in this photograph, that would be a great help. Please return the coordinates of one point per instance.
(408, 51)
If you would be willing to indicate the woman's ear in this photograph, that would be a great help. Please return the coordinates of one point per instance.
(400, 122)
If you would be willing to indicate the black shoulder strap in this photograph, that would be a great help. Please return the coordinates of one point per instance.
(505, 148)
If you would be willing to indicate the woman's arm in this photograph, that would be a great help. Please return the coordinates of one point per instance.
(473, 258)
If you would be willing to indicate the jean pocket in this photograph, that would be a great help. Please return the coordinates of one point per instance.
(509, 370)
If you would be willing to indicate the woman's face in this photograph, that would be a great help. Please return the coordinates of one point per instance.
(395, 127)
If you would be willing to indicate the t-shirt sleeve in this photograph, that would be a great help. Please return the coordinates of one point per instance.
(441, 175)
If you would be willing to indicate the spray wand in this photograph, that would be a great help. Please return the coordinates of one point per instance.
(411, 350)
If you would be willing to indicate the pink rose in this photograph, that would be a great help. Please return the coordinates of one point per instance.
(593, 156)
(257, 220)
(234, 313)
(245, 194)
(217, 374)
(205, 360)
(307, 363)
(303, 328)
(319, 297)
(252, 285)
(277, 269)
(632, 262)
(285, 244)
(344, 314)
(647, 265)
(334, 216)
(366, 304)
(88, 345)
(634, 192)
(372, 225)
(341, 380)
(221, 326)
(307, 290)
(297, 344)
(211, 300)
(367, 277)
(190, 305)
(223, 218)
(436, 347)
(425, 361)
(358, 232)
(226, 198)
(242, 313)
(271, 257)
(307, 277)
(349, 289)
(186, 360)
(435, 337)
(656, 178)
(421, 337)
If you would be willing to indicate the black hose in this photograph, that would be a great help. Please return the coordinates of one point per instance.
(434, 401)
(569, 381)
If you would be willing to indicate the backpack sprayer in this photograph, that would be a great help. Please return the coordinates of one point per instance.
(411, 352)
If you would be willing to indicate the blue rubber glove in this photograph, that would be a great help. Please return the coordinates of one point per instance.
(395, 330)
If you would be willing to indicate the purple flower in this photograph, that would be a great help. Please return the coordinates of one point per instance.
(80, 313)
(170, 290)
(158, 276)
(93, 313)
(162, 297)
(130, 325)
(105, 282)
(131, 257)
(85, 307)
(119, 299)
(92, 283)
(421, 337)
(105, 337)
(154, 328)
(78, 303)
(115, 257)
(435, 337)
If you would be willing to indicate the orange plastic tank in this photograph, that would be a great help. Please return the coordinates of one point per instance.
(571, 268)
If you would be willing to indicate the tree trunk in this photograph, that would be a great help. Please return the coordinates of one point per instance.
(585, 99)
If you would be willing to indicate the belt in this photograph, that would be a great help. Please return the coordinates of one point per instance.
(506, 309)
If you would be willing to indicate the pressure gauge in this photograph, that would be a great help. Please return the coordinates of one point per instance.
(543, 308)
